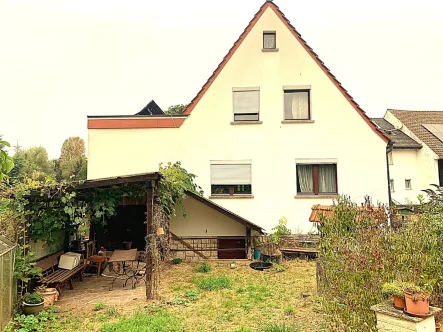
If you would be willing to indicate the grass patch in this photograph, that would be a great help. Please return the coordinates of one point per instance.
(203, 267)
(289, 311)
(212, 283)
(99, 306)
(161, 321)
(176, 261)
(279, 327)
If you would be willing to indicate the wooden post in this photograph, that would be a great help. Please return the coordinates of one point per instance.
(149, 231)
(248, 243)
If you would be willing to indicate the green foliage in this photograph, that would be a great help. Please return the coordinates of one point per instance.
(73, 159)
(176, 109)
(99, 306)
(396, 288)
(289, 311)
(31, 323)
(360, 252)
(32, 163)
(177, 261)
(203, 267)
(161, 321)
(6, 162)
(191, 295)
(214, 282)
(279, 327)
(33, 298)
(172, 187)
(279, 230)
(24, 267)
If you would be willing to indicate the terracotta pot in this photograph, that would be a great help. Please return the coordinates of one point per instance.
(50, 295)
(399, 302)
(437, 327)
(417, 303)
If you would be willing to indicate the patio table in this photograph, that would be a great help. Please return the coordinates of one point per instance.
(118, 264)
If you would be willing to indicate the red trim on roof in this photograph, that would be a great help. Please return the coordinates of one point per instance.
(135, 123)
(311, 52)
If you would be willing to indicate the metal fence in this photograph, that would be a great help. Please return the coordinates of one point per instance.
(7, 289)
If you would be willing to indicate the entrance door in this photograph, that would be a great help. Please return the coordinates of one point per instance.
(238, 247)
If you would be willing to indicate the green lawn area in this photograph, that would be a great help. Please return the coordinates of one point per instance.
(222, 299)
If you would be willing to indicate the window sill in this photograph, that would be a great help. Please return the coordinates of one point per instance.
(231, 196)
(246, 122)
(332, 196)
(297, 121)
(269, 49)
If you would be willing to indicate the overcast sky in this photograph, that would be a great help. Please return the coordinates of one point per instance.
(61, 60)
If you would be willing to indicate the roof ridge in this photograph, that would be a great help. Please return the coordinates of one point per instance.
(297, 35)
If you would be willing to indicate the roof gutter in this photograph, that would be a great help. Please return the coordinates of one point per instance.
(389, 149)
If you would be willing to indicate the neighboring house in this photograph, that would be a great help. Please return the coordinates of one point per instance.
(271, 132)
(403, 160)
(415, 169)
(151, 109)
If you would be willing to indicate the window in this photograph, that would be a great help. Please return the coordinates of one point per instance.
(269, 40)
(408, 185)
(315, 179)
(391, 184)
(246, 104)
(230, 178)
(297, 104)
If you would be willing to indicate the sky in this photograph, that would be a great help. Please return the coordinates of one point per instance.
(61, 60)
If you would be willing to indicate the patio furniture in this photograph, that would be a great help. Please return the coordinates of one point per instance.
(58, 278)
(94, 260)
(118, 264)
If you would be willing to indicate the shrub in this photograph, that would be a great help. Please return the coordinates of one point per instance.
(212, 283)
(31, 323)
(177, 261)
(161, 321)
(33, 298)
(203, 267)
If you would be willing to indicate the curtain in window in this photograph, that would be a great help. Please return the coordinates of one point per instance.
(297, 105)
(305, 182)
(269, 41)
(326, 177)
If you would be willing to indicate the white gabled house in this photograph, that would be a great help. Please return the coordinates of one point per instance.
(271, 132)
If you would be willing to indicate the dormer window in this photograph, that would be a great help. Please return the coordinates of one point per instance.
(269, 41)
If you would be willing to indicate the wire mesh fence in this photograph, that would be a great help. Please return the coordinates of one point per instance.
(7, 289)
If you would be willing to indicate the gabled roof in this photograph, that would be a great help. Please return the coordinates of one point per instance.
(279, 13)
(151, 109)
(414, 121)
(400, 139)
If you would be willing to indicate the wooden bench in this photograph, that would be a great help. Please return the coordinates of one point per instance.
(58, 278)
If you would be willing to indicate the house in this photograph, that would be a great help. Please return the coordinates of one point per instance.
(270, 133)
(417, 158)
(403, 169)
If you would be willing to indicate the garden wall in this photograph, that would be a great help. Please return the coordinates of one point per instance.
(187, 249)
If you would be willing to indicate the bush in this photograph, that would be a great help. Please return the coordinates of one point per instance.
(360, 252)
(161, 321)
(203, 267)
(212, 283)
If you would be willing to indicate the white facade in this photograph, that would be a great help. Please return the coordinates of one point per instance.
(336, 133)
(419, 166)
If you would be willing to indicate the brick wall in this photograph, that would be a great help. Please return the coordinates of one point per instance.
(202, 245)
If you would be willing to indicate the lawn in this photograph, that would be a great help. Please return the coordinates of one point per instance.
(221, 299)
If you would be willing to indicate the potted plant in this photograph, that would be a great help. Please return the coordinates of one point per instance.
(32, 303)
(50, 295)
(417, 300)
(396, 289)
(258, 248)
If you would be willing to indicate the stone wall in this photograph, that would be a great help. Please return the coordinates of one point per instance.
(207, 247)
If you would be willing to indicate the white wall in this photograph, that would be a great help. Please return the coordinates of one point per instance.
(338, 132)
(421, 164)
(201, 220)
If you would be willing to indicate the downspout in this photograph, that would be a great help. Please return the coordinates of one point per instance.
(389, 149)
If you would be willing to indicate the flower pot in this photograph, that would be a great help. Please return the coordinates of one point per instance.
(417, 303)
(399, 302)
(437, 327)
(257, 253)
(32, 309)
(127, 245)
(50, 295)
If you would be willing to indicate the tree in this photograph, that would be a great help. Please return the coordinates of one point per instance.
(32, 162)
(73, 159)
(176, 109)
(6, 162)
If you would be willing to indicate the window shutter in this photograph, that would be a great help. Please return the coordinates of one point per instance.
(228, 174)
(246, 102)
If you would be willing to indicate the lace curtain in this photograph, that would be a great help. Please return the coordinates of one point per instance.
(326, 179)
(296, 105)
(305, 182)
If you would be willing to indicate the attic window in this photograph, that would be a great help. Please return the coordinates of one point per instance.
(269, 41)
